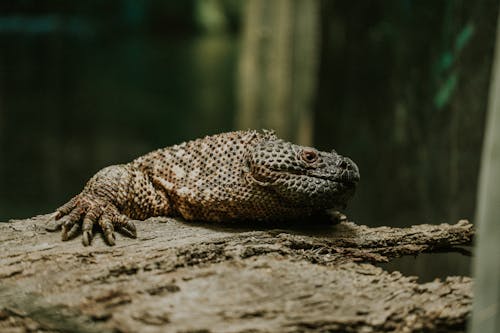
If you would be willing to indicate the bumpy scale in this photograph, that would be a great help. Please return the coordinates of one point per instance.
(239, 175)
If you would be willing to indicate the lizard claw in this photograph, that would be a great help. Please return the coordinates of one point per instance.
(130, 226)
(334, 216)
(92, 211)
(338, 217)
(52, 224)
(108, 229)
(87, 238)
(87, 226)
(126, 226)
(69, 224)
(71, 233)
(110, 239)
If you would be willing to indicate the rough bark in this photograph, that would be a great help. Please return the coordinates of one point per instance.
(185, 277)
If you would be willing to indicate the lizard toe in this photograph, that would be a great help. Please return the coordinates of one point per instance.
(52, 223)
(107, 228)
(91, 218)
(129, 226)
(126, 225)
(72, 232)
(69, 224)
(87, 233)
(66, 208)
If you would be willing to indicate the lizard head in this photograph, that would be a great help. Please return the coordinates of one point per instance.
(302, 176)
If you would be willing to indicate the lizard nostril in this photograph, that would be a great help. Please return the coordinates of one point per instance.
(349, 169)
(343, 164)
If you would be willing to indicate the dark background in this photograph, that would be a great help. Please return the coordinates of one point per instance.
(401, 88)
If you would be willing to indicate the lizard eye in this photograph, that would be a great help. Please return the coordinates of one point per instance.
(309, 155)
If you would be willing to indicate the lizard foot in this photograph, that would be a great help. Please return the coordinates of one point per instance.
(335, 216)
(83, 212)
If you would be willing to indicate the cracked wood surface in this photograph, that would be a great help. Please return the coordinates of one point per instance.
(189, 277)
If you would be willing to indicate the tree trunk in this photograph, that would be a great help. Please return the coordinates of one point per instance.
(278, 64)
(486, 316)
(187, 277)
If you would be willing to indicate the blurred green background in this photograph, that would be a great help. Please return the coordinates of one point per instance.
(399, 86)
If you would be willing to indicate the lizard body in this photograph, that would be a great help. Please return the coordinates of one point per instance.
(230, 176)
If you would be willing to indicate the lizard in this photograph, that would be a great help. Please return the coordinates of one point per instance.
(240, 175)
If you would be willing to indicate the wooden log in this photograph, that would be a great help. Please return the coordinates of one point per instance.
(185, 277)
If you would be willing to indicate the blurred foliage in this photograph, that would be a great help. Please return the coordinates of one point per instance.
(151, 17)
(88, 84)
(403, 86)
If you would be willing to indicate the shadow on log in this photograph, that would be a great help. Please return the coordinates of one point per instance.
(184, 277)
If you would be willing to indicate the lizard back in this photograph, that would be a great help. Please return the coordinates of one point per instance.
(216, 178)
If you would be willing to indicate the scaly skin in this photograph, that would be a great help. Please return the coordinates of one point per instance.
(239, 175)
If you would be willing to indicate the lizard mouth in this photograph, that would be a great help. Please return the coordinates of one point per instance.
(347, 180)
(320, 190)
(258, 179)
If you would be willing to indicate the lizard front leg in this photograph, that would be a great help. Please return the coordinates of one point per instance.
(112, 198)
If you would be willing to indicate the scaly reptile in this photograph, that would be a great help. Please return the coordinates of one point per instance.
(243, 175)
